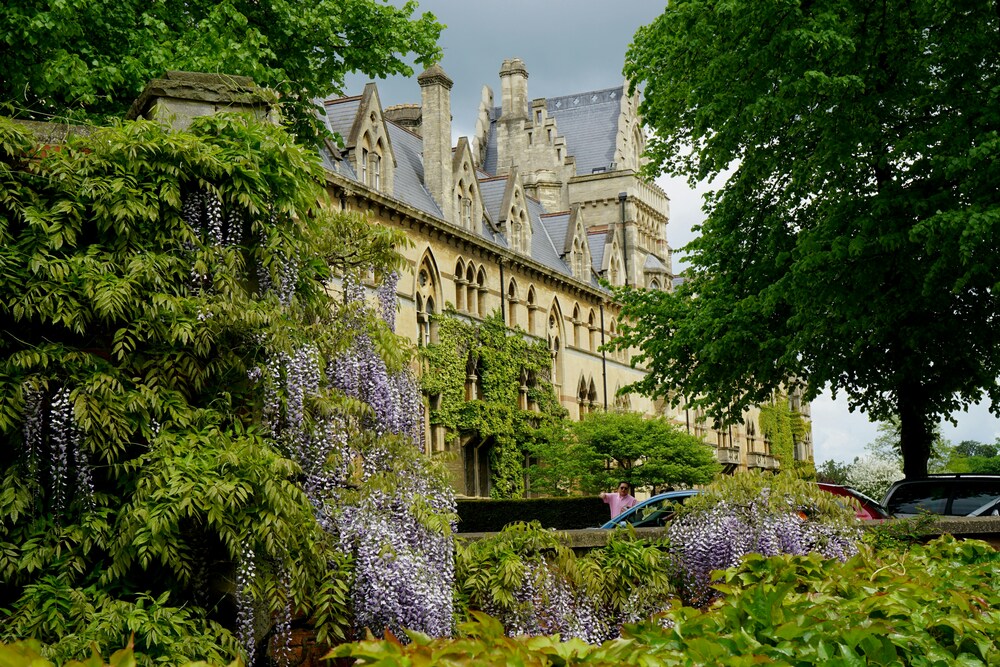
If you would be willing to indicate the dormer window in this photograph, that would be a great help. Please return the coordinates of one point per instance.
(376, 171)
(467, 213)
(364, 165)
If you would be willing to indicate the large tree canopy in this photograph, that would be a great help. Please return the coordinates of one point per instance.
(91, 58)
(854, 244)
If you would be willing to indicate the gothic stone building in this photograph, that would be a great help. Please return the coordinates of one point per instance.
(525, 217)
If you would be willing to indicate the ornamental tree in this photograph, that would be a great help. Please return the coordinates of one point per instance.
(853, 245)
(196, 434)
(91, 58)
(644, 452)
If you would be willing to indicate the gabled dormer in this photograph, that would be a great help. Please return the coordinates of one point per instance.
(367, 145)
(607, 256)
(467, 197)
(576, 249)
(514, 219)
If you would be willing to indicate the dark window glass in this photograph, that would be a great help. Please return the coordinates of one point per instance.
(969, 496)
(917, 498)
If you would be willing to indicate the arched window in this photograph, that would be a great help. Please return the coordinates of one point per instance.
(426, 297)
(577, 326)
(512, 302)
(555, 346)
(654, 284)
(472, 294)
(481, 284)
(532, 307)
(581, 397)
(593, 332)
(460, 284)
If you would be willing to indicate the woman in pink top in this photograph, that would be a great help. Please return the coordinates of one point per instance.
(618, 502)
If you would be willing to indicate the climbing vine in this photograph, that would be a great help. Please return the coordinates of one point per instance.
(477, 373)
(783, 428)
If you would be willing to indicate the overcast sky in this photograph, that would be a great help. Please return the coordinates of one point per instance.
(573, 46)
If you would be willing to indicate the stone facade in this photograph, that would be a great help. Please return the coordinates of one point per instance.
(525, 217)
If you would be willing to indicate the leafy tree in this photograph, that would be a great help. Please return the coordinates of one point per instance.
(852, 246)
(91, 58)
(167, 432)
(644, 452)
(832, 472)
(975, 448)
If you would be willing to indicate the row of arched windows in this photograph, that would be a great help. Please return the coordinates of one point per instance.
(470, 288)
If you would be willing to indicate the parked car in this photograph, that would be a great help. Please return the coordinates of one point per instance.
(948, 495)
(652, 513)
(869, 510)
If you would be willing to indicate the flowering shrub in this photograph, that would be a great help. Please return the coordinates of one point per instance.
(534, 585)
(937, 604)
(755, 513)
(872, 475)
(187, 408)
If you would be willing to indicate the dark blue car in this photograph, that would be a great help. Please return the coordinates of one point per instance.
(652, 513)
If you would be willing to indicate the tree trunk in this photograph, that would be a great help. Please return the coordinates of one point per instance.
(915, 432)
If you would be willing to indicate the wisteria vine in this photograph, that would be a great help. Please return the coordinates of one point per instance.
(364, 474)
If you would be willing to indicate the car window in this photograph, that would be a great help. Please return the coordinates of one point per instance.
(917, 498)
(973, 495)
(654, 514)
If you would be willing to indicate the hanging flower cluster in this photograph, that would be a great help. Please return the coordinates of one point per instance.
(717, 538)
(383, 513)
(53, 433)
(404, 569)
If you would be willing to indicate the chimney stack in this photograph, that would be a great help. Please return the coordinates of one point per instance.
(514, 89)
(435, 98)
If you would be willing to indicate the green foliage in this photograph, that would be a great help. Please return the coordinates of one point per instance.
(150, 328)
(842, 249)
(937, 604)
(30, 654)
(623, 575)
(899, 534)
(768, 493)
(783, 427)
(500, 359)
(89, 59)
(644, 452)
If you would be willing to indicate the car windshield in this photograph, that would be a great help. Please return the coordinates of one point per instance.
(655, 513)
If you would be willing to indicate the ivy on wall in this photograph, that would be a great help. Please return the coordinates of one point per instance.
(500, 360)
(783, 427)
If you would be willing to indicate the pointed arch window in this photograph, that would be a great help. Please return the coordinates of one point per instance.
(481, 285)
(532, 307)
(512, 302)
(426, 300)
(471, 293)
(460, 284)
(555, 347)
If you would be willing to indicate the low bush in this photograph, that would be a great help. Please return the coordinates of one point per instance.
(529, 579)
(937, 604)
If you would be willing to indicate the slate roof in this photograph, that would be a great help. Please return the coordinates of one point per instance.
(548, 234)
(340, 114)
(588, 121)
(555, 224)
(654, 264)
(542, 248)
(597, 242)
(408, 179)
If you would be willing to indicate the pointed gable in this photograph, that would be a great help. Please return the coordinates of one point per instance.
(513, 217)
(367, 145)
(469, 205)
